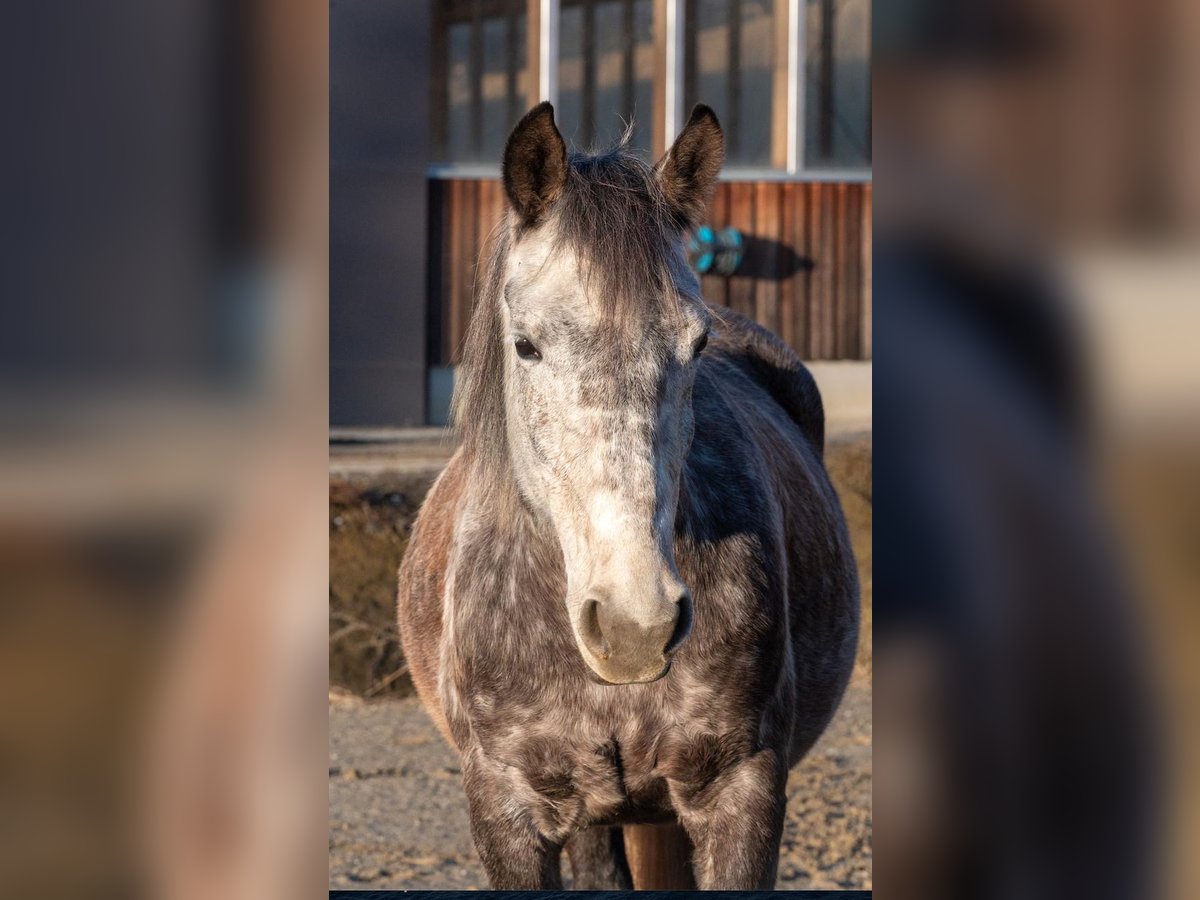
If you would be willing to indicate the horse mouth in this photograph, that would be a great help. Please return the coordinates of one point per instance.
(642, 678)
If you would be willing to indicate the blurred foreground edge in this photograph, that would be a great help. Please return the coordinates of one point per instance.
(1024, 748)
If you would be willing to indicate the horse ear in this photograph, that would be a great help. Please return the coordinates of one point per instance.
(689, 171)
(535, 164)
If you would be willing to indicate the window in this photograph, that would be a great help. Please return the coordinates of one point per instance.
(481, 86)
(793, 95)
(606, 71)
(732, 62)
(837, 107)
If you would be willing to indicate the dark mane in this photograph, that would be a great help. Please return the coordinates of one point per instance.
(613, 215)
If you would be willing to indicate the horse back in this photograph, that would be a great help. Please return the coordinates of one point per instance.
(767, 360)
(422, 585)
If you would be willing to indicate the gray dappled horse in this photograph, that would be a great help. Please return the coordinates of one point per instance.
(630, 598)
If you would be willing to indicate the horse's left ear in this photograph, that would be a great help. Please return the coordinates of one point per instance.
(689, 171)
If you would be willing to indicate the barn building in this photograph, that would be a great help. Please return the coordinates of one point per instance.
(423, 95)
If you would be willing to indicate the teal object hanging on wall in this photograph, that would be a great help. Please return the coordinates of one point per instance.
(731, 247)
(717, 252)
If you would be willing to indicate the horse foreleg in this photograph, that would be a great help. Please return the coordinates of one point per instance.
(735, 822)
(598, 860)
(515, 855)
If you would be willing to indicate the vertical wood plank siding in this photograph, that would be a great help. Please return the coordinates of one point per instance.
(806, 274)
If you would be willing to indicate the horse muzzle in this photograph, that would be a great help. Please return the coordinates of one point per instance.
(626, 648)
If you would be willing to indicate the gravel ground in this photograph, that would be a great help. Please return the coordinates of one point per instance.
(398, 815)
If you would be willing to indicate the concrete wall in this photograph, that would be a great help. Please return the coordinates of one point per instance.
(378, 154)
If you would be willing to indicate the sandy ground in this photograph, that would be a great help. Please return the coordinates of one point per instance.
(398, 814)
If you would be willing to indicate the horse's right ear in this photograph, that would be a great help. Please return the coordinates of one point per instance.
(535, 164)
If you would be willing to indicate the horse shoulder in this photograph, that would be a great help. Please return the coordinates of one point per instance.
(422, 585)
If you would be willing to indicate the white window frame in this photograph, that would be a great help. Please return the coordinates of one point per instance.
(673, 112)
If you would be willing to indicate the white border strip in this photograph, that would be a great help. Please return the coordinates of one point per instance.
(481, 171)
(797, 72)
(548, 51)
(673, 89)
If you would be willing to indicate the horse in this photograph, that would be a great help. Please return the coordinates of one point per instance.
(629, 599)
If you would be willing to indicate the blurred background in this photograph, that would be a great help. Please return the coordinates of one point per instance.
(423, 96)
(1037, 278)
(163, 400)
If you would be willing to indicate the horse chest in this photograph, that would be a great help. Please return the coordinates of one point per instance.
(574, 753)
(571, 751)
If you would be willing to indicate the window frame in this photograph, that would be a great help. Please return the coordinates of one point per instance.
(449, 13)
(670, 19)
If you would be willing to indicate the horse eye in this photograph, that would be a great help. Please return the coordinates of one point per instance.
(700, 345)
(526, 350)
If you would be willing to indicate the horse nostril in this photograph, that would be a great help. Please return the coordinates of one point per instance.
(591, 632)
(683, 624)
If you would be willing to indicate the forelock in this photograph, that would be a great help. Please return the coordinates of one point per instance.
(614, 219)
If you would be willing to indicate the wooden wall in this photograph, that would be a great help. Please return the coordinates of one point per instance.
(806, 274)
